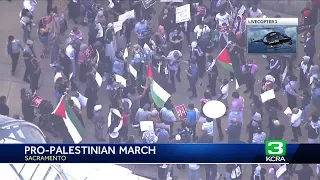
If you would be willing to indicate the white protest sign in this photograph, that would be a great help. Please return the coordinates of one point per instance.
(284, 74)
(146, 125)
(127, 15)
(121, 80)
(281, 170)
(98, 79)
(57, 76)
(117, 26)
(268, 95)
(130, 14)
(183, 13)
(82, 99)
(122, 18)
(125, 54)
(76, 102)
(287, 111)
(133, 71)
(70, 76)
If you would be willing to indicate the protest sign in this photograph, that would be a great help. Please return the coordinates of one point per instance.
(121, 80)
(181, 112)
(117, 26)
(57, 76)
(146, 125)
(82, 99)
(36, 101)
(89, 52)
(183, 13)
(133, 71)
(127, 15)
(268, 95)
(98, 79)
(76, 102)
(148, 3)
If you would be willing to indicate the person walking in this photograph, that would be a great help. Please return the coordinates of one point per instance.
(193, 76)
(13, 49)
(295, 122)
(213, 74)
(99, 122)
(192, 119)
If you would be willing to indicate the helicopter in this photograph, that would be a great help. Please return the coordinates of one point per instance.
(274, 39)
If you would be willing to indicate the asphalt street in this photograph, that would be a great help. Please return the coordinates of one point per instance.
(11, 85)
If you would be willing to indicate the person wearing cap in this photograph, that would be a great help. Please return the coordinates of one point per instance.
(304, 68)
(213, 74)
(13, 49)
(313, 127)
(193, 76)
(277, 130)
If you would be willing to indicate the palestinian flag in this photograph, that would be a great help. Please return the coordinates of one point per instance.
(73, 124)
(160, 88)
(224, 59)
(231, 62)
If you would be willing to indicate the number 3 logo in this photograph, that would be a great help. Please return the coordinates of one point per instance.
(277, 148)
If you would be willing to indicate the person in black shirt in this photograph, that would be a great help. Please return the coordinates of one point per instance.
(240, 47)
(176, 37)
(127, 27)
(305, 173)
(4, 109)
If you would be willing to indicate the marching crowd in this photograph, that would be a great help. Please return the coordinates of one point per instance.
(134, 74)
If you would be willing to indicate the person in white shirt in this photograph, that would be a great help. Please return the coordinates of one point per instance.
(114, 125)
(201, 30)
(70, 52)
(194, 171)
(254, 12)
(208, 126)
(223, 23)
(295, 120)
(224, 88)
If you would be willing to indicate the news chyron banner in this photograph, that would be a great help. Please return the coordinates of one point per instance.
(273, 151)
(272, 35)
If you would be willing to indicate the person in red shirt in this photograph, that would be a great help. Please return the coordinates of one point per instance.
(125, 126)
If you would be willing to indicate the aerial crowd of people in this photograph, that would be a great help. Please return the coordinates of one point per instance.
(130, 72)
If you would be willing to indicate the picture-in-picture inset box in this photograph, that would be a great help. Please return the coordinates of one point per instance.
(272, 35)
